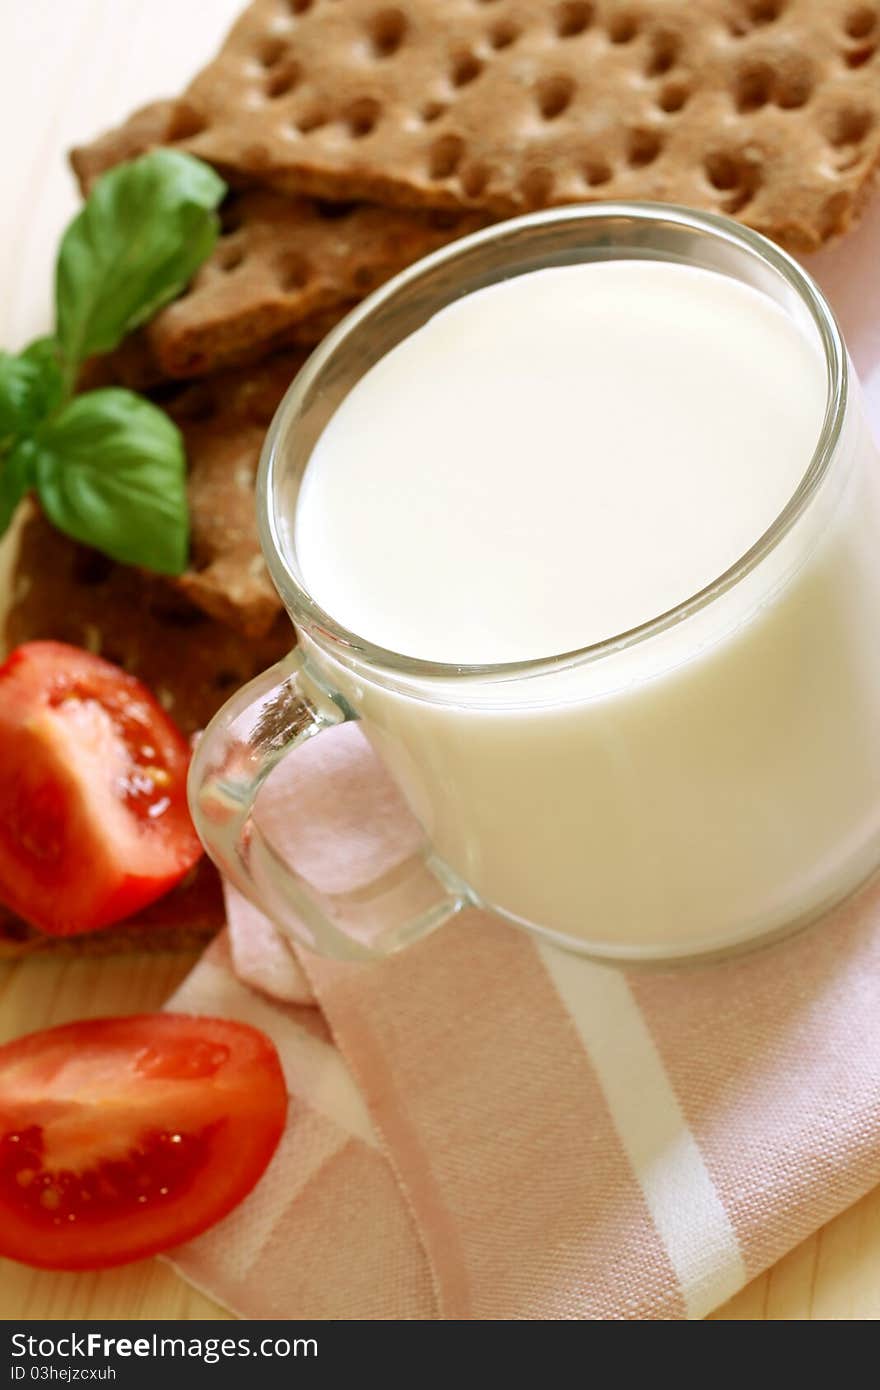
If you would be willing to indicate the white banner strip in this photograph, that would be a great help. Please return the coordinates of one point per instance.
(680, 1194)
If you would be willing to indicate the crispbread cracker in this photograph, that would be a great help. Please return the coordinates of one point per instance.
(183, 920)
(224, 421)
(283, 269)
(63, 591)
(764, 109)
(134, 364)
(280, 266)
(160, 123)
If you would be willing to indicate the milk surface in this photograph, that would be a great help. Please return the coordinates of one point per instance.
(557, 458)
(553, 461)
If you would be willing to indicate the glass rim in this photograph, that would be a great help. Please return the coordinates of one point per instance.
(321, 626)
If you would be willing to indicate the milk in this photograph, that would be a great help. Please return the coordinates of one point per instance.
(553, 461)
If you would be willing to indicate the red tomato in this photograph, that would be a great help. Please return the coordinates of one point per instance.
(123, 1136)
(93, 816)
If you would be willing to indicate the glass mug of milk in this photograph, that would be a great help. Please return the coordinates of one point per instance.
(580, 518)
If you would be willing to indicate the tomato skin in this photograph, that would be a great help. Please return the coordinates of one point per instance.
(94, 822)
(122, 1137)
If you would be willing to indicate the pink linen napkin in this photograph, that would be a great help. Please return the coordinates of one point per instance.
(484, 1127)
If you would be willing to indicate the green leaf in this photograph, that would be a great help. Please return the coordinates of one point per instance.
(144, 231)
(44, 354)
(111, 472)
(30, 387)
(17, 475)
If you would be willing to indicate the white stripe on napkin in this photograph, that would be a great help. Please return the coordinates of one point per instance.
(680, 1194)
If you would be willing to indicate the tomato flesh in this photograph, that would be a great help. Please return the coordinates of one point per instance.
(94, 823)
(123, 1137)
(162, 1167)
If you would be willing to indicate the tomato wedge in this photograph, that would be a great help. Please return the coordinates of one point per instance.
(93, 816)
(120, 1137)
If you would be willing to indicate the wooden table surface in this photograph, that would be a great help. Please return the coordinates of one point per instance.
(69, 68)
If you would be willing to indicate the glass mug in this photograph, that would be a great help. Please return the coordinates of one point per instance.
(705, 780)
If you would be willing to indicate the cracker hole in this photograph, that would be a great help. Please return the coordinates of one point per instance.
(466, 67)
(445, 156)
(673, 97)
(572, 18)
(299, 6)
(474, 179)
(848, 126)
(231, 218)
(91, 568)
(185, 123)
(793, 90)
(442, 219)
(753, 87)
(387, 31)
(642, 148)
(537, 187)
(172, 615)
(193, 363)
(857, 57)
(754, 13)
(195, 405)
(333, 212)
(433, 110)
(622, 28)
(554, 96)
(230, 257)
(293, 273)
(596, 172)
(271, 51)
(734, 177)
(225, 680)
(361, 117)
(860, 22)
(503, 34)
(663, 54)
(281, 80)
(310, 120)
(722, 172)
(764, 11)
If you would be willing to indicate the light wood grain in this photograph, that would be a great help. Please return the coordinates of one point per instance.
(69, 68)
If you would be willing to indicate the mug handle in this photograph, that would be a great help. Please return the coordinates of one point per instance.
(267, 719)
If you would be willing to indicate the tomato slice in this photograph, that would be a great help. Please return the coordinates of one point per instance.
(94, 822)
(120, 1137)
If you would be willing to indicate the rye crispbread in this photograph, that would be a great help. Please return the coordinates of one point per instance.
(224, 419)
(765, 109)
(192, 663)
(185, 919)
(284, 270)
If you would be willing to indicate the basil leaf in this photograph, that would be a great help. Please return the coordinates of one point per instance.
(111, 472)
(30, 386)
(144, 231)
(17, 473)
(17, 382)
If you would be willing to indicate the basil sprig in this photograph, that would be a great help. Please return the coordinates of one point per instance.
(108, 466)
